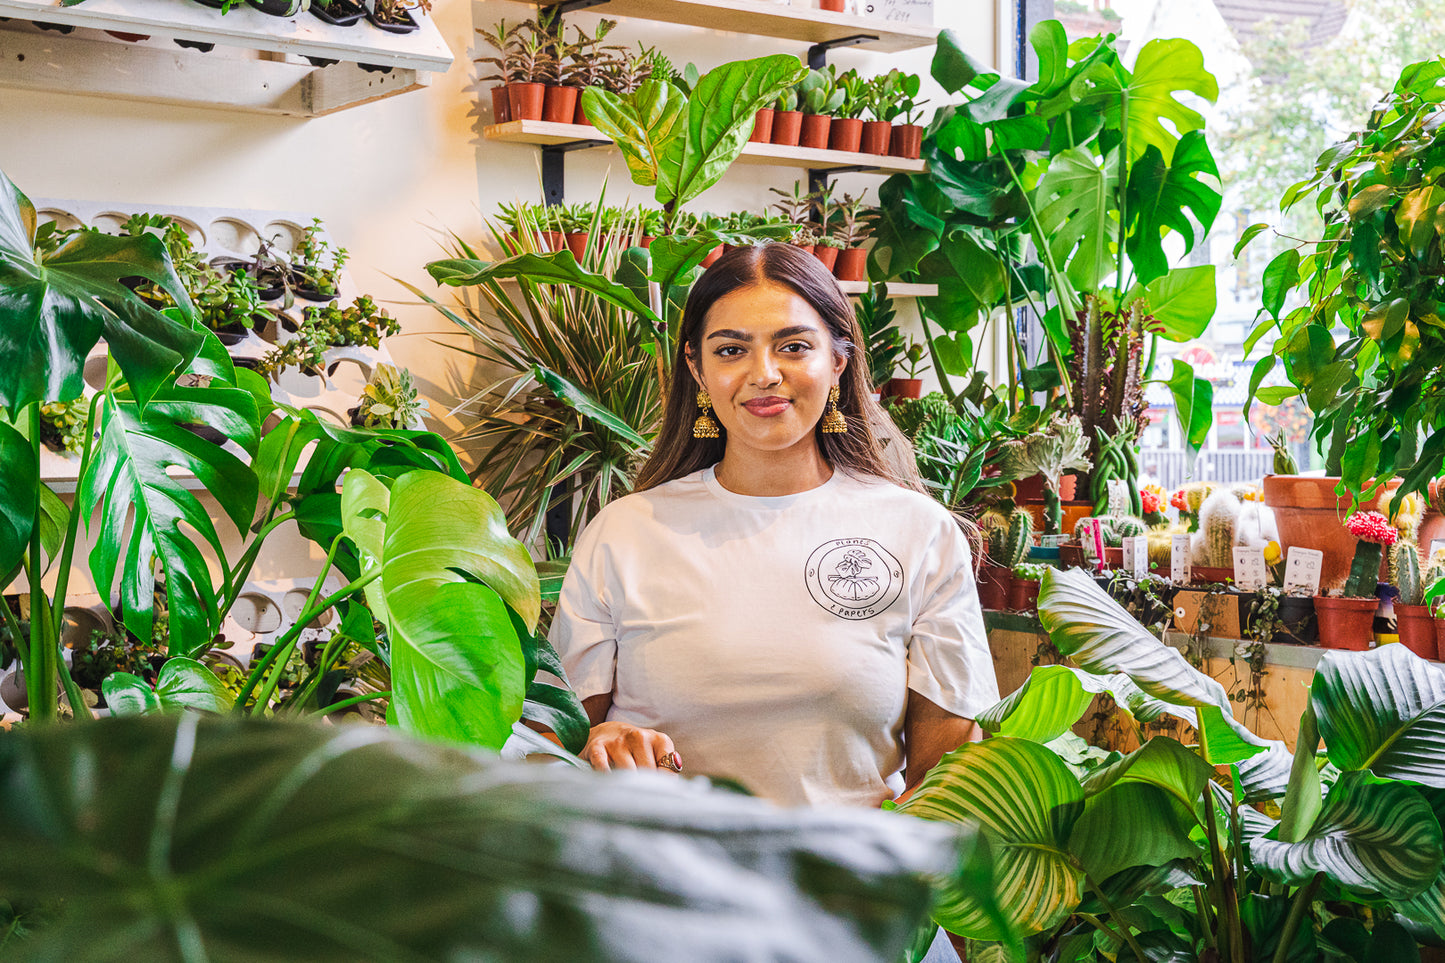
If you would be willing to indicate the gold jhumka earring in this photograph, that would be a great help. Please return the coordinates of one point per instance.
(705, 426)
(833, 421)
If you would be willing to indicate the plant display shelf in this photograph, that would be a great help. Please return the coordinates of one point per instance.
(763, 18)
(262, 68)
(580, 136)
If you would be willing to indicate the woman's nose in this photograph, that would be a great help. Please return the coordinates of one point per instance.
(765, 369)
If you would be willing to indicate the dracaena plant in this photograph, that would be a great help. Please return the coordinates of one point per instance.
(1162, 852)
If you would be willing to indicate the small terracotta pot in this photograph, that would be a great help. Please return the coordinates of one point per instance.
(828, 255)
(580, 116)
(992, 586)
(876, 134)
(1440, 640)
(787, 127)
(559, 104)
(645, 240)
(577, 244)
(1205, 574)
(554, 240)
(1416, 627)
(1023, 594)
(906, 141)
(525, 101)
(501, 105)
(815, 131)
(1071, 555)
(834, 6)
(852, 264)
(1346, 623)
(845, 134)
(1113, 556)
(762, 127)
(905, 388)
(716, 253)
(810, 248)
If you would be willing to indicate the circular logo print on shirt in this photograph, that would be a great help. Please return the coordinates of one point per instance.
(854, 578)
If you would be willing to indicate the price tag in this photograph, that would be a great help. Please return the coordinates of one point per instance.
(1136, 554)
(1250, 573)
(1087, 542)
(1436, 544)
(1052, 541)
(1179, 558)
(1302, 570)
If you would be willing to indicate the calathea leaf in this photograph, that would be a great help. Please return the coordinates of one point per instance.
(1382, 710)
(58, 306)
(642, 124)
(147, 515)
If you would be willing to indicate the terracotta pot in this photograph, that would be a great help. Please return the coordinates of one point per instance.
(580, 116)
(501, 105)
(525, 101)
(1297, 618)
(845, 134)
(554, 240)
(1023, 594)
(834, 6)
(577, 244)
(992, 586)
(1113, 556)
(904, 388)
(1071, 555)
(876, 134)
(1031, 489)
(559, 104)
(716, 253)
(762, 127)
(1416, 628)
(1440, 640)
(1206, 575)
(645, 240)
(828, 255)
(815, 131)
(852, 264)
(1074, 512)
(787, 127)
(1310, 515)
(906, 141)
(1346, 623)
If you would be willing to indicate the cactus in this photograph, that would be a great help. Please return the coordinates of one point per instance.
(1405, 570)
(1284, 463)
(1127, 526)
(1218, 515)
(1010, 533)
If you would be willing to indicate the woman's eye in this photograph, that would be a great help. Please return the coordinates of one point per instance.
(797, 347)
(728, 351)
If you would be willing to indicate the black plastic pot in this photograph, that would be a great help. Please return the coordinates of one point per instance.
(407, 25)
(231, 335)
(1297, 614)
(339, 13)
(57, 27)
(277, 8)
(200, 45)
(321, 61)
(375, 68)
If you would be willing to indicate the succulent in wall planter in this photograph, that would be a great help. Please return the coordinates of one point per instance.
(338, 13)
(395, 16)
(389, 400)
(63, 425)
(316, 266)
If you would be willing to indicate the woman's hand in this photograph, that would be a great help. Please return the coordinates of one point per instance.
(620, 745)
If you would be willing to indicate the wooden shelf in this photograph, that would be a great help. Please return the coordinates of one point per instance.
(771, 155)
(766, 19)
(271, 74)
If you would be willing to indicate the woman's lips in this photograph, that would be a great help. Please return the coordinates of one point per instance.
(767, 407)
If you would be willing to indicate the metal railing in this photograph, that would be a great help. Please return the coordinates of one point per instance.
(1172, 468)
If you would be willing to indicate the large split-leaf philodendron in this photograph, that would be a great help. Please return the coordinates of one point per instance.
(1146, 856)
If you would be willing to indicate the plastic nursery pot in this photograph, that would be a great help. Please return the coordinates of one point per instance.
(762, 127)
(1416, 628)
(277, 8)
(559, 104)
(809, 248)
(554, 240)
(787, 127)
(645, 241)
(713, 255)
(1296, 617)
(845, 134)
(1023, 594)
(852, 264)
(815, 131)
(406, 24)
(827, 255)
(905, 388)
(501, 104)
(1346, 623)
(525, 101)
(874, 139)
(129, 37)
(907, 141)
(993, 581)
(339, 13)
(579, 116)
(577, 244)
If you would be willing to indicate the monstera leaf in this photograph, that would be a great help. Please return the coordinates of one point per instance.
(643, 124)
(57, 306)
(1163, 69)
(1159, 194)
(1078, 215)
(187, 837)
(17, 500)
(449, 574)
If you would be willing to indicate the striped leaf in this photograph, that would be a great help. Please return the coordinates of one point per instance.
(1102, 637)
(1027, 802)
(1428, 906)
(1163, 763)
(1047, 705)
(1131, 824)
(1369, 838)
(1382, 710)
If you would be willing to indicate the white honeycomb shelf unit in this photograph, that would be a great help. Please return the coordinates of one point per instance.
(260, 64)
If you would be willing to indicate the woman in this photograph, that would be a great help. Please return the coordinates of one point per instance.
(774, 604)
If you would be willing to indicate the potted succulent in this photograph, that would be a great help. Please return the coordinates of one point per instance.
(531, 68)
(505, 40)
(650, 225)
(338, 13)
(846, 131)
(1414, 624)
(883, 92)
(1023, 587)
(316, 266)
(787, 119)
(389, 400)
(280, 8)
(63, 425)
(1347, 620)
(913, 364)
(361, 324)
(591, 62)
(850, 230)
(559, 100)
(820, 97)
(395, 16)
(906, 137)
(1008, 533)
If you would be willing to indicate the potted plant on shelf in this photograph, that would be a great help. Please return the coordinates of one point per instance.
(913, 363)
(1008, 533)
(1023, 587)
(531, 68)
(885, 94)
(316, 266)
(846, 131)
(506, 41)
(820, 97)
(1346, 620)
(905, 113)
(847, 225)
(559, 100)
(592, 61)
(787, 127)
(395, 16)
(1414, 623)
(362, 324)
(338, 13)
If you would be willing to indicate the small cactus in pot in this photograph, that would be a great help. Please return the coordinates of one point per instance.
(1375, 534)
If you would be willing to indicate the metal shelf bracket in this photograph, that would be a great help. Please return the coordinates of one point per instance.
(818, 52)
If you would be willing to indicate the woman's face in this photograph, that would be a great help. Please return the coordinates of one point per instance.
(767, 360)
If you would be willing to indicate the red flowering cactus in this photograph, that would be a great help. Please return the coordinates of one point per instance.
(1375, 533)
(1150, 500)
(1179, 500)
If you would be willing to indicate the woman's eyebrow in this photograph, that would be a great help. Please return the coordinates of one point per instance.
(732, 334)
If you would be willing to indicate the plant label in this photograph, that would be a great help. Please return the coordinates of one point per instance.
(1179, 558)
(898, 11)
(1136, 555)
(1250, 573)
(1118, 496)
(1436, 544)
(1302, 570)
(1052, 541)
(1088, 532)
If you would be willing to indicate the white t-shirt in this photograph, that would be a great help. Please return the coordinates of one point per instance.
(774, 639)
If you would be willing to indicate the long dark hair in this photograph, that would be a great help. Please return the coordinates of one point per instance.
(860, 451)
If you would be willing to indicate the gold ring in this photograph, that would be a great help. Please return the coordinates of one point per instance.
(670, 762)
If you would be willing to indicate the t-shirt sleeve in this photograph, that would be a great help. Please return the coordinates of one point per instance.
(583, 631)
(949, 661)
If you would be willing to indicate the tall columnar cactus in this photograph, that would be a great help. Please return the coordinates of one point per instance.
(1405, 570)
(1009, 533)
(1375, 533)
(1218, 516)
